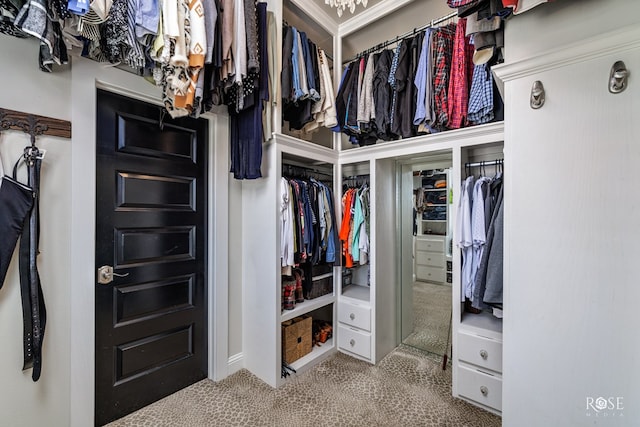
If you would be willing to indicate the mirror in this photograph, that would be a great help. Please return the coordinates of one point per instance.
(426, 239)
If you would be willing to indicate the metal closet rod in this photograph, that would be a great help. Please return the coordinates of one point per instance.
(403, 36)
(487, 163)
(300, 167)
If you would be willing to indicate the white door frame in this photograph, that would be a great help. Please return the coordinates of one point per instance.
(86, 77)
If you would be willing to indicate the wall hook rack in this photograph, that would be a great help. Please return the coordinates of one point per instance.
(33, 124)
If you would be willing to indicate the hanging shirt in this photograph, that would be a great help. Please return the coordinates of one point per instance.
(443, 45)
(478, 234)
(392, 83)
(464, 233)
(421, 82)
(286, 214)
(458, 96)
(358, 220)
(239, 46)
(382, 93)
(481, 96)
(366, 111)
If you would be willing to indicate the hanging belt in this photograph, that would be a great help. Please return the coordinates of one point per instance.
(34, 313)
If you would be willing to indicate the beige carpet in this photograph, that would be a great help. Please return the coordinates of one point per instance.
(407, 388)
(431, 314)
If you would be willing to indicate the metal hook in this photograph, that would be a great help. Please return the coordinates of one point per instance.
(537, 95)
(618, 77)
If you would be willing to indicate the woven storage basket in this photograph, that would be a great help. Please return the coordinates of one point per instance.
(321, 287)
(296, 338)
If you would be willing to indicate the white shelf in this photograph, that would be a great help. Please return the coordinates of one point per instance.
(483, 321)
(307, 306)
(361, 293)
(435, 189)
(322, 276)
(434, 220)
(316, 353)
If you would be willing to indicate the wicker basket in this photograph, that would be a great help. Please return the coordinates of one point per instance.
(296, 338)
(321, 287)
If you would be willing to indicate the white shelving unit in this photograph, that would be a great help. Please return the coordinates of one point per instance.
(262, 277)
(364, 315)
(477, 338)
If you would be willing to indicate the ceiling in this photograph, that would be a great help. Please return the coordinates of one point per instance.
(346, 14)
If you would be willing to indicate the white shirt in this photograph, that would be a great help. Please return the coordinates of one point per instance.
(286, 212)
(478, 233)
(463, 231)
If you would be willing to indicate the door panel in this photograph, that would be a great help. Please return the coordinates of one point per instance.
(151, 227)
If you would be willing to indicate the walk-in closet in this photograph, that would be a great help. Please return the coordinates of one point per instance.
(411, 212)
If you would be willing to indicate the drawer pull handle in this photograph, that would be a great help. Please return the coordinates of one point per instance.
(352, 316)
(352, 342)
(484, 354)
(484, 390)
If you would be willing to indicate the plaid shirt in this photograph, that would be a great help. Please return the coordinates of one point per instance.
(459, 81)
(443, 49)
(481, 97)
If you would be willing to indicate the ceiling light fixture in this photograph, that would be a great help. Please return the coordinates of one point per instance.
(341, 5)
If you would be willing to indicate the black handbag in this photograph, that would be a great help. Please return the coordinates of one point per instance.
(16, 202)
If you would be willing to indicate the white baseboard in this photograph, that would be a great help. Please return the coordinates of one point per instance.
(236, 362)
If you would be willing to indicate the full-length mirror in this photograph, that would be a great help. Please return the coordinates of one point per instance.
(426, 236)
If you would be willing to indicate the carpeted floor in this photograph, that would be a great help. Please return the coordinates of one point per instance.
(407, 388)
(431, 314)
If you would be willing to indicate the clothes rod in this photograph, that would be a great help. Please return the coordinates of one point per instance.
(324, 170)
(403, 36)
(487, 163)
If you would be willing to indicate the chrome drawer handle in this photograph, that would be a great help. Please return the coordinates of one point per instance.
(352, 316)
(484, 390)
(352, 342)
(484, 354)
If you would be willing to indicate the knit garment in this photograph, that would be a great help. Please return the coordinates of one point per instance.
(9, 10)
(253, 64)
(112, 35)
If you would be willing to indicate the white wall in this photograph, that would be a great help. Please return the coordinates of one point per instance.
(416, 14)
(29, 90)
(235, 267)
(570, 331)
(65, 393)
(565, 21)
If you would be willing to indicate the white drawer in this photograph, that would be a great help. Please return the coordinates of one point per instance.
(480, 351)
(432, 259)
(431, 244)
(354, 341)
(432, 274)
(480, 387)
(355, 315)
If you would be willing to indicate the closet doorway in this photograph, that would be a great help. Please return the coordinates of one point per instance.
(426, 234)
(151, 240)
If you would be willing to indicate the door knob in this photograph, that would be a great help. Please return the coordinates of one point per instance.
(105, 274)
